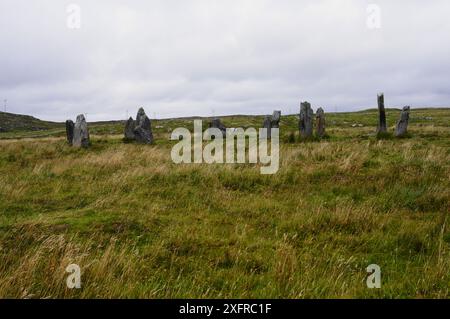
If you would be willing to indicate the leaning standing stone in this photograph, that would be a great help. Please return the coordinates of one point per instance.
(69, 131)
(320, 122)
(143, 130)
(129, 129)
(402, 125)
(306, 124)
(81, 132)
(381, 115)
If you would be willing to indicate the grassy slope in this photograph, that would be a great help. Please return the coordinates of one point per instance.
(24, 123)
(141, 226)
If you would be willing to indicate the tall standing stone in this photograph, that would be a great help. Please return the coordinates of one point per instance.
(306, 120)
(320, 122)
(271, 122)
(129, 129)
(276, 117)
(81, 132)
(402, 125)
(143, 130)
(267, 124)
(216, 123)
(69, 131)
(381, 115)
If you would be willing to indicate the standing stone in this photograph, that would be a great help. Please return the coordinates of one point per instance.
(143, 130)
(271, 122)
(267, 124)
(69, 131)
(402, 125)
(216, 123)
(276, 117)
(306, 120)
(382, 115)
(320, 122)
(81, 132)
(129, 129)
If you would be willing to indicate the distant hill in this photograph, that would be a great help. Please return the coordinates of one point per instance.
(16, 122)
(21, 126)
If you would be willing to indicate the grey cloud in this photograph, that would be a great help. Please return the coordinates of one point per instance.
(199, 57)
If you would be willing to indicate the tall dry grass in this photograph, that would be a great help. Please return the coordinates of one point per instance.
(140, 226)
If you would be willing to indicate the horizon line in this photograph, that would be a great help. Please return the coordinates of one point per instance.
(230, 115)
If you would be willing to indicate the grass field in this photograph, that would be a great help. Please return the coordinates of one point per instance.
(141, 226)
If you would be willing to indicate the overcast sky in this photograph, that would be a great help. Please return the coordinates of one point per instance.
(210, 57)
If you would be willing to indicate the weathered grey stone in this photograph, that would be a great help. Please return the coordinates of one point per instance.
(69, 131)
(140, 117)
(267, 124)
(143, 130)
(143, 136)
(320, 122)
(402, 125)
(306, 120)
(129, 129)
(381, 114)
(216, 123)
(271, 122)
(81, 132)
(276, 117)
